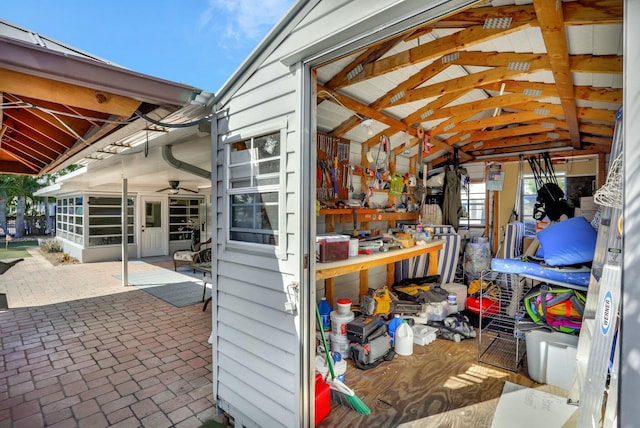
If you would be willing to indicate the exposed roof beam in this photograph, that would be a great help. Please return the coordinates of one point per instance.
(510, 150)
(516, 141)
(356, 66)
(551, 22)
(65, 93)
(584, 12)
(435, 49)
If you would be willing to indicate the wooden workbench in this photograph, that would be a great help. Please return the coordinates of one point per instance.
(362, 264)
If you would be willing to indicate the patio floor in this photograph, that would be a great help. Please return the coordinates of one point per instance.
(79, 349)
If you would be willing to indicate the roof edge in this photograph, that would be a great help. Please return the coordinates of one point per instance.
(35, 60)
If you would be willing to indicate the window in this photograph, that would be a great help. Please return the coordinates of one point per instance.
(529, 197)
(473, 204)
(69, 219)
(255, 190)
(574, 187)
(105, 224)
(184, 215)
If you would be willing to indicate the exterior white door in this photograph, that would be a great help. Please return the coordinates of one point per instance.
(153, 233)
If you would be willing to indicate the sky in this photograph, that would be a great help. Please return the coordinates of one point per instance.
(196, 42)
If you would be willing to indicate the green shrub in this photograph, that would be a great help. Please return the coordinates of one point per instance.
(51, 245)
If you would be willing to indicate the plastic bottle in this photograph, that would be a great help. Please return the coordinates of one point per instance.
(404, 339)
(393, 325)
(325, 314)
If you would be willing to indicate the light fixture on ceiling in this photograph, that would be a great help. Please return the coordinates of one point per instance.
(367, 124)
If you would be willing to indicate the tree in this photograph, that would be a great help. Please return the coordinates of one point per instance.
(23, 187)
(5, 185)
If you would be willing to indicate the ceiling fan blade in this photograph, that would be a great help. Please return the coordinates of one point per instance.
(188, 190)
(162, 190)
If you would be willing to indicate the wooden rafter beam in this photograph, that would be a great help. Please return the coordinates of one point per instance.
(515, 141)
(356, 66)
(435, 49)
(42, 117)
(508, 150)
(584, 12)
(551, 20)
(66, 94)
(496, 134)
(553, 154)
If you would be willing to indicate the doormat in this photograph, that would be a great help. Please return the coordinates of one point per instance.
(174, 288)
(527, 407)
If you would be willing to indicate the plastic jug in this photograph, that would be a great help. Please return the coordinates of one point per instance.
(404, 339)
(393, 325)
(325, 314)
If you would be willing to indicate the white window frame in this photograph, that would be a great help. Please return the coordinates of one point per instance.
(280, 248)
(474, 222)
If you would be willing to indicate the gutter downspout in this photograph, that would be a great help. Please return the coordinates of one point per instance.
(167, 155)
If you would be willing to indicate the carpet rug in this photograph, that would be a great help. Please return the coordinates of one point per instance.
(171, 287)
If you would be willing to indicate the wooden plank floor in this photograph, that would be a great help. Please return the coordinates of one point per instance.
(440, 385)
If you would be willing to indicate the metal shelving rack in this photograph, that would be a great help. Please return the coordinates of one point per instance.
(500, 343)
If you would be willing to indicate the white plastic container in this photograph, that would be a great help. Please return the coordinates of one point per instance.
(403, 339)
(551, 357)
(424, 334)
(354, 244)
(339, 323)
(343, 306)
(461, 293)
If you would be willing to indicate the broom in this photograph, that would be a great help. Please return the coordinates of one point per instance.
(340, 393)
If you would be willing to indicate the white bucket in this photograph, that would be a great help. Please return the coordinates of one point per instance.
(403, 339)
(340, 344)
(339, 323)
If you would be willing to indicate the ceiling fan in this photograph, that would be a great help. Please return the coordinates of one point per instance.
(174, 188)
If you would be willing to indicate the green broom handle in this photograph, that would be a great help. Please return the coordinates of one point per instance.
(324, 344)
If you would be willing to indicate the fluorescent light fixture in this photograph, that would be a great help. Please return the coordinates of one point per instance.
(451, 57)
(519, 66)
(495, 23)
(465, 136)
(355, 71)
(449, 126)
(532, 92)
(398, 96)
(426, 114)
(542, 111)
(548, 125)
(553, 135)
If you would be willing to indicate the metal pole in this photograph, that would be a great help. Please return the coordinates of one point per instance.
(125, 237)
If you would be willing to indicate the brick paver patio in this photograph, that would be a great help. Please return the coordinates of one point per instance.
(80, 350)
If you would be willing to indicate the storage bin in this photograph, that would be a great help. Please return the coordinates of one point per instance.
(551, 357)
(331, 248)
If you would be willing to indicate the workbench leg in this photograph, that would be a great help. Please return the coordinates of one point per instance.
(433, 262)
(364, 283)
(328, 290)
(391, 274)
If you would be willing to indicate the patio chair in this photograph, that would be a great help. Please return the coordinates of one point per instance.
(202, 253)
